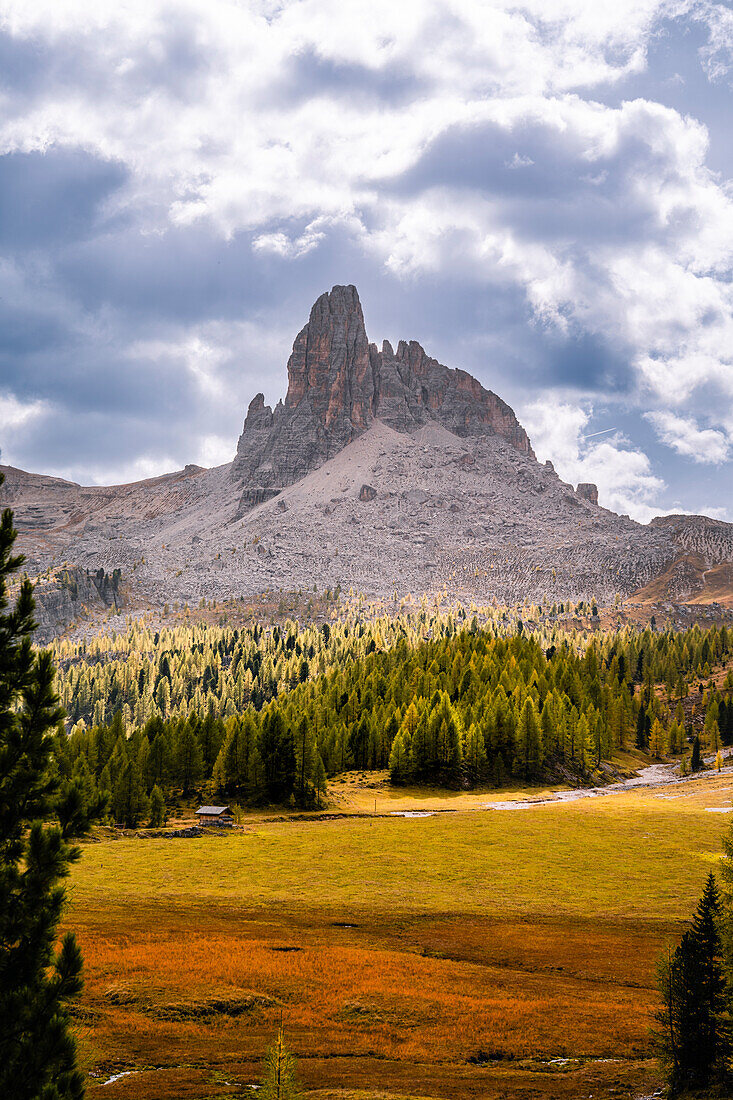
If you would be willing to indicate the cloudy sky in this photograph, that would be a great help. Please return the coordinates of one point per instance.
(538, 191)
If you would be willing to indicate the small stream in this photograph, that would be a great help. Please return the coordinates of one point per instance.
(118, 1076)
(655, 775)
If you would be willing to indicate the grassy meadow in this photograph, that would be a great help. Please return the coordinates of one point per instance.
(506, 953)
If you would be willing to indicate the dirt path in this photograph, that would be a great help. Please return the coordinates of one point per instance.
(655, 775)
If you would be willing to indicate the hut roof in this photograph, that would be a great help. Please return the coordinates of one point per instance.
(213, 810)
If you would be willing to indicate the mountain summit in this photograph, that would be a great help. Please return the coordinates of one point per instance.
(381, 471)
(339, 384)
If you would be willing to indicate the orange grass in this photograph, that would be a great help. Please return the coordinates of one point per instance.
(523, 991)
(526, 935)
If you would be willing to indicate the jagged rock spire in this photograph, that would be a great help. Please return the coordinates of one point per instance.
(338, 384)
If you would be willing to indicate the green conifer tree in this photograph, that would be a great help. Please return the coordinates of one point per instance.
(130, 803)
(529, 741)
(319, 781)
(695, 760)
(158, 812)
(474, 755)
(400, 759)
(188, 758)
(38, 821)
(693, 1037)
(280, 1081)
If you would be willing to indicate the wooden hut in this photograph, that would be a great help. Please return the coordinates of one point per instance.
(214, 815)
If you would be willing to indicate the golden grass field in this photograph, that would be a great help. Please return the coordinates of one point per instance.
(507, 953)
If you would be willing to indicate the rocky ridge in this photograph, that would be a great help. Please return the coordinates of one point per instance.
(339, 385)
(381, 471)
(712, 539)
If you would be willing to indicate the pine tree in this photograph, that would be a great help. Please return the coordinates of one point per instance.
(305, 750)
(643, 727)
(584, 740)
(130, 803)
(157, 807)
(529, 741)
(38, 821)
(695, 761)
(474, 754)
(188, 758)
(280, 1081)
(445, 740)
(400, 759)
(694, 1039)
(278, 755)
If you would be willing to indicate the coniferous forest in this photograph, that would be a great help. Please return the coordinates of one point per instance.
(259, 715)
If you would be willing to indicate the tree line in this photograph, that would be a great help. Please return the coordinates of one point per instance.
(467, 708)
(192, 668)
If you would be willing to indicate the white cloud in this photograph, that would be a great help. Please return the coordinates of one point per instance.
(240, 141)
(213, 450)
(717, 53)
(16, 418)
(140, 469)
(15, 413)
(518, 161)
(225, 358)
(623, 474)
(704, 445)
(716, 511)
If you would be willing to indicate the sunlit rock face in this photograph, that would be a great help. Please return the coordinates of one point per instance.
(339, 384)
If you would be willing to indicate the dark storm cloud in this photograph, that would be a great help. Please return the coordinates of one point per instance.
(585, 361)
(86, 375)
(51, 198)
(188, 274)
(116, 437)
(24, 65)
(27, 330)
(544, 183)
(173, 61)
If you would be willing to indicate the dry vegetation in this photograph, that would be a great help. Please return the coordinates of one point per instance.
(454, 956)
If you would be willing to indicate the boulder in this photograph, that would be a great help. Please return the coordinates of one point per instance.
(588, 491)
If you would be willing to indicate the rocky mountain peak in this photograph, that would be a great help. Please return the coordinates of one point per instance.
(339, 384)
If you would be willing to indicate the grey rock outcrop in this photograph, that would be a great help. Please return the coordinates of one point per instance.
(711, 538)
(71, 594)
(588, 491)
(339, 384)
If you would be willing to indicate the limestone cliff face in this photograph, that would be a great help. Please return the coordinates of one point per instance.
(338, 384)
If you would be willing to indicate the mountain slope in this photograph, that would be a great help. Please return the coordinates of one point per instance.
(386, 472)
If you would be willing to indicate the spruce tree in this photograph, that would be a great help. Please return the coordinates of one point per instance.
(529, 741)
(39, 818)
(643, 727)
(305, 750)
(320, 782)
(474, 755)
(130, 803)
(695, 761)
(694, 1038)
(157, 807)
(278, 755)
(400, 759)
(189, 761)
